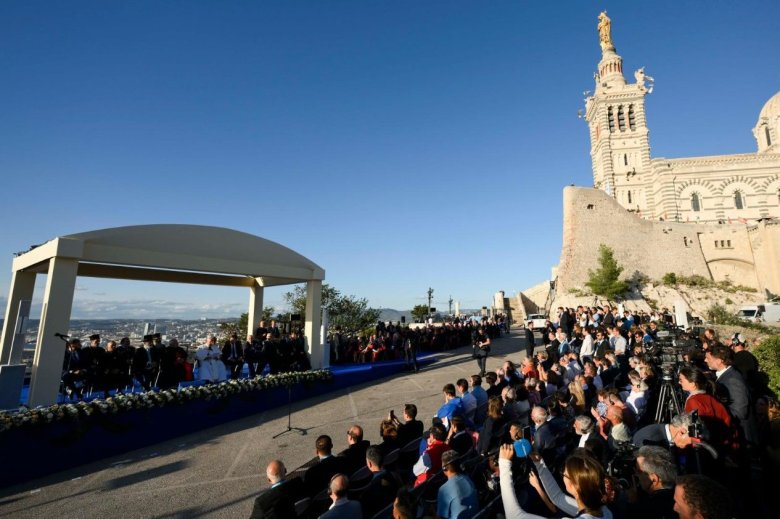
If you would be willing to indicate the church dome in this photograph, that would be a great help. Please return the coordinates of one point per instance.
(767, 130)
(771, 109)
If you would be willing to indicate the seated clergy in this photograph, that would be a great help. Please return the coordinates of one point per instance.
(210, 366)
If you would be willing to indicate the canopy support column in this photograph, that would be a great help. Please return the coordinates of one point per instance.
(312, 327)
(55, 318)
(256, 292)
(22, 286)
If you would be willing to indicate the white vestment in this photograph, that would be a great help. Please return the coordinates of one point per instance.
(210, 365)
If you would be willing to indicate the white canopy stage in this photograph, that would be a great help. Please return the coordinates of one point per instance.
(175, 253)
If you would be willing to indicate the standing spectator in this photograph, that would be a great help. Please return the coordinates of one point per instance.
(746, 363)
(699, 497)
(482, 399)
(410, 340)
(731, 388)
(530, 340)
(711, 411)
(481, 349)
(656, 474)
(457, 498)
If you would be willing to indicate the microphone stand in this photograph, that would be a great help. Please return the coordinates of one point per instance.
(290, 428)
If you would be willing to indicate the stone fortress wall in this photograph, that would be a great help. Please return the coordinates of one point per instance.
(743, 254)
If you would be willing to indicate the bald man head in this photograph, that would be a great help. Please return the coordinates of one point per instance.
(339, 484)
(275, 472)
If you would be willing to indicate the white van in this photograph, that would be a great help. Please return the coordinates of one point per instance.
(766, 312)
(539, 320)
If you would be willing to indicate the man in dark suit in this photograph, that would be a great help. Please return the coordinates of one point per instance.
(564, 321)
(146, 363)
(384, 485)
(74, 369)
(233, 355)
(317, 477)
(412, 429)
(675, 434)
(354, 455)
(731, 388)
(342, 508)
(278, 502)
(529, 340)
(544, 436)
(656, 474)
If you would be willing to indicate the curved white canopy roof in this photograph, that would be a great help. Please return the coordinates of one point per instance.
(178, 253)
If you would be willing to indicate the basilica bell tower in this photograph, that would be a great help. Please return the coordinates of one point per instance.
(619, 143)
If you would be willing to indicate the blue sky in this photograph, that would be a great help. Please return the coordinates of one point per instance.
(398, 144)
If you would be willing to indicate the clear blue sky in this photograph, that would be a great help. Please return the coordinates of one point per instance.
(398, 144)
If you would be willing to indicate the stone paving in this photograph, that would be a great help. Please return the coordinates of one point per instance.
(217, 472)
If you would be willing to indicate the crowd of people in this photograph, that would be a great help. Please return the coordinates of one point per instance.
(396, 341)
(119, 366)
(570, 431)
(123, 367)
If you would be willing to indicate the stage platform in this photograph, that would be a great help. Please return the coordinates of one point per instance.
(34, 451)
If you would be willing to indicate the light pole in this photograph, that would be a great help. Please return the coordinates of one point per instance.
(430, 298)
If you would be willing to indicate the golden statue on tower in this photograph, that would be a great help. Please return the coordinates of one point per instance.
(605, 32)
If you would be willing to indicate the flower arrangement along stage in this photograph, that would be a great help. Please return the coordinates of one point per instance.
(151, 399)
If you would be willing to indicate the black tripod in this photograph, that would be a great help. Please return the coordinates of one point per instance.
(289, 416)
(668, 401)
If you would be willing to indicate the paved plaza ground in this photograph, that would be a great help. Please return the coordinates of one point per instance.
(217, 472)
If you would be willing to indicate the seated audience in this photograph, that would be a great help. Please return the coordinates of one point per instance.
(411, 429)
(355, 454)
(316, 477)
(382, 488)
(430, 460)
(457, 498)
(342, 508)
(459, 439)
(278, 502)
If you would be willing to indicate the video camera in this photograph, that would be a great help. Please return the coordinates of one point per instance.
(623, 463)
(668, 349)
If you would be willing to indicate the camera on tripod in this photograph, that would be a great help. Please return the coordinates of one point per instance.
(623, 463)
(667, 351)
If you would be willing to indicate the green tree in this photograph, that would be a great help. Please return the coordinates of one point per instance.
(605, 281)
(768, 355)
(420, 312)
(239, 327)
(352, 314)
(268, 312)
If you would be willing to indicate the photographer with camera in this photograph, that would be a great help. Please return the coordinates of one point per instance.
(653, 494)
(583, 477)
(712, 413)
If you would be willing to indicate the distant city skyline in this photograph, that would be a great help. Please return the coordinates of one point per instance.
(399, 145)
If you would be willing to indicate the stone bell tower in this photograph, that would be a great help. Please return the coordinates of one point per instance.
(619, 144)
